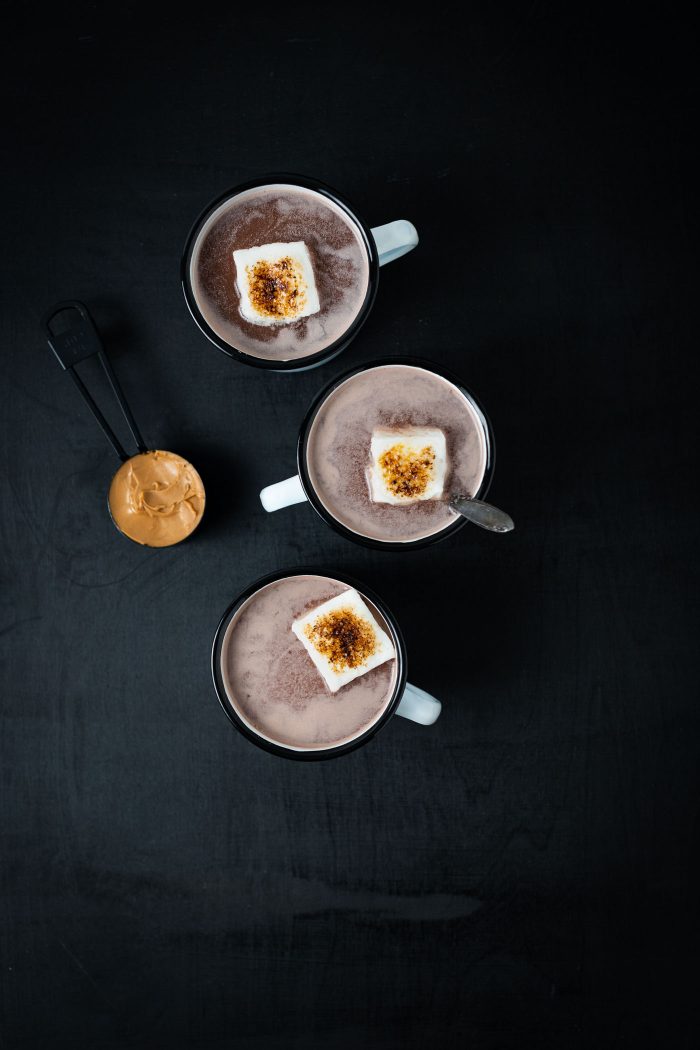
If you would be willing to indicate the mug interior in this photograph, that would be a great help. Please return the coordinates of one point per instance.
(279, 688)
(345, 263)
(336, 510)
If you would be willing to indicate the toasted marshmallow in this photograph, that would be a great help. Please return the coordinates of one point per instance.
(407, 464)
(343, 639)
(276, 283)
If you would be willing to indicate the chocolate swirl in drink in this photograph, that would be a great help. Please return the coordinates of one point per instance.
(280, 272)
(387, 448)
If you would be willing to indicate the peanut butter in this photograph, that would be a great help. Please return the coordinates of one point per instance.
(156, 498)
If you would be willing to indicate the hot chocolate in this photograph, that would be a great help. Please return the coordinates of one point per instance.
(280, 272)
(389, 446)
(278, 661)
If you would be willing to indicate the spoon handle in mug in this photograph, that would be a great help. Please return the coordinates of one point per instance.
(483, 514)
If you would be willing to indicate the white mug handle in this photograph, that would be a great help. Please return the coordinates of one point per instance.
(419, 706)
(394, 239)
(283, 494)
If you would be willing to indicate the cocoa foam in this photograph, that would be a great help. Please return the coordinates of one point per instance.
(281, 213)
(385, 397)
(272, 683)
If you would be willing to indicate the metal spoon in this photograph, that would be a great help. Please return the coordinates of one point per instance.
(484, 514)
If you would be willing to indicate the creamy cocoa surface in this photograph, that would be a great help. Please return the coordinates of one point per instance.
(266, 215)
(156, 498)
(272, 683)
(387, 396)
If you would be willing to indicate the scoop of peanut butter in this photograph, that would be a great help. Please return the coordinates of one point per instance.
(156, 498)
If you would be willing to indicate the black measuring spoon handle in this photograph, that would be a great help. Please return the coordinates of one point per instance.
(75, 343)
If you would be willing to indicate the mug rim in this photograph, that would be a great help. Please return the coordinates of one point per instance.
(310, 754)
(312, 360)
(368, 541)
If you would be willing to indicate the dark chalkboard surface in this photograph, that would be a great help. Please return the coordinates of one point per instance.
(519, 874)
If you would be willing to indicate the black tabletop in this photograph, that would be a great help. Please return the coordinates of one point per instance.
(519, 873)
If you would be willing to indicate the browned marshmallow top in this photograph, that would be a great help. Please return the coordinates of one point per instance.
(277, 289)
(406, 472)
(344, 638)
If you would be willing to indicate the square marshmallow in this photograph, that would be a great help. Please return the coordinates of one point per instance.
(407, 468)
(314, 631)
(265, 259)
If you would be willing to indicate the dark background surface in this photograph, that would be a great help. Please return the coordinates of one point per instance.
(520, 874)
